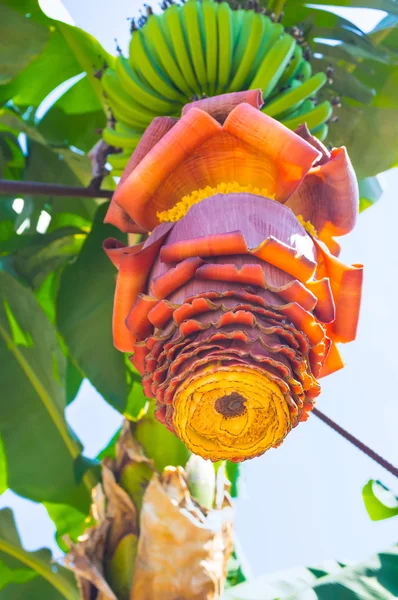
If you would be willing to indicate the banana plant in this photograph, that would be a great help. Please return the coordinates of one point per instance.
(57, 287)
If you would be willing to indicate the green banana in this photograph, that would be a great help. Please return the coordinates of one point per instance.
(237, 22)
(242, 38)
(225, 46)
(154, 38)
(306, 107)
(304, 71)
(201, 480)
(120, 115)
(119, 568)
(292, 67)
(134, 478)
(159, 443)
(209, 9)
(191, 13)
(321, 132)
(313, 118)
(272, 33)
(143, 95)
(139, 56)
(251, 42)
(124, 128)
(119, 161)
(204, 47)
(121, 140)
(292, 98)
(123, 102)
(291, 109)
(274, 64)
(118, 172)
(173, 25)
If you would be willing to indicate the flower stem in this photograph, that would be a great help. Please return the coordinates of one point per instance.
(276, 7)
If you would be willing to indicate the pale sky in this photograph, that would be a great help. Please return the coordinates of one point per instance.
(302, 501)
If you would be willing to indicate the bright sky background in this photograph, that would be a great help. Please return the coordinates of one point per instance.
(302, 502)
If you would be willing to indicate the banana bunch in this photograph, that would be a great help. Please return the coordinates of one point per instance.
(204, 48)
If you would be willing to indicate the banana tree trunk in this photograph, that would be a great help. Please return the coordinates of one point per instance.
(152, 538)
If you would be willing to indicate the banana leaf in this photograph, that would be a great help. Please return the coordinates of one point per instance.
(40, 450)
(84, 315)
(376, 577)
(15, 54)
(30, 574)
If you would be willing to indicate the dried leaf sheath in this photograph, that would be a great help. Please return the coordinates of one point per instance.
(180, 554)
(152, 538)
(237, 289)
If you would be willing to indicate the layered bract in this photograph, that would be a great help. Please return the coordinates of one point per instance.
(233, 305)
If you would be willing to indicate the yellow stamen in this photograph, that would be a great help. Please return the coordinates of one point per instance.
(308, 226)
(180, 209)
(232, 413)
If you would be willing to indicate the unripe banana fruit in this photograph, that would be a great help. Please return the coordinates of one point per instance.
(204, 48)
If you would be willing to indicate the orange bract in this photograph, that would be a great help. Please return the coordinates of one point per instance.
(250, 148)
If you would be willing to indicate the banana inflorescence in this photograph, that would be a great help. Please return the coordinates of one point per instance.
(205, 48)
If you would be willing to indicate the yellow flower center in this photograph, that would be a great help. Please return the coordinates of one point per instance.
(230, 413)
(308, 226)
(180, 209)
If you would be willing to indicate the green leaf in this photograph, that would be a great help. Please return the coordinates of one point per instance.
(319, 23)
(387, 5)
(68, 521)
(74, 379)
(38, 445)
(89, 54)
(30, 574)
(84, 315)
(370, 134)
(362, 64)
(110, 448)
(35, 262)
(69, 52)
(233, 474)
(46, 294)
(370, 579)
(12, 122)
(32, 85)
(17, 575)
(28, 7)
(57, 166)
(3, 468)
(158, 443)
(74, 129)
(379, 501)
(84, 464)
(346, 84)
(12, 159)
(235, 570)
(370, 191)
(136, 399)
(15, 53)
